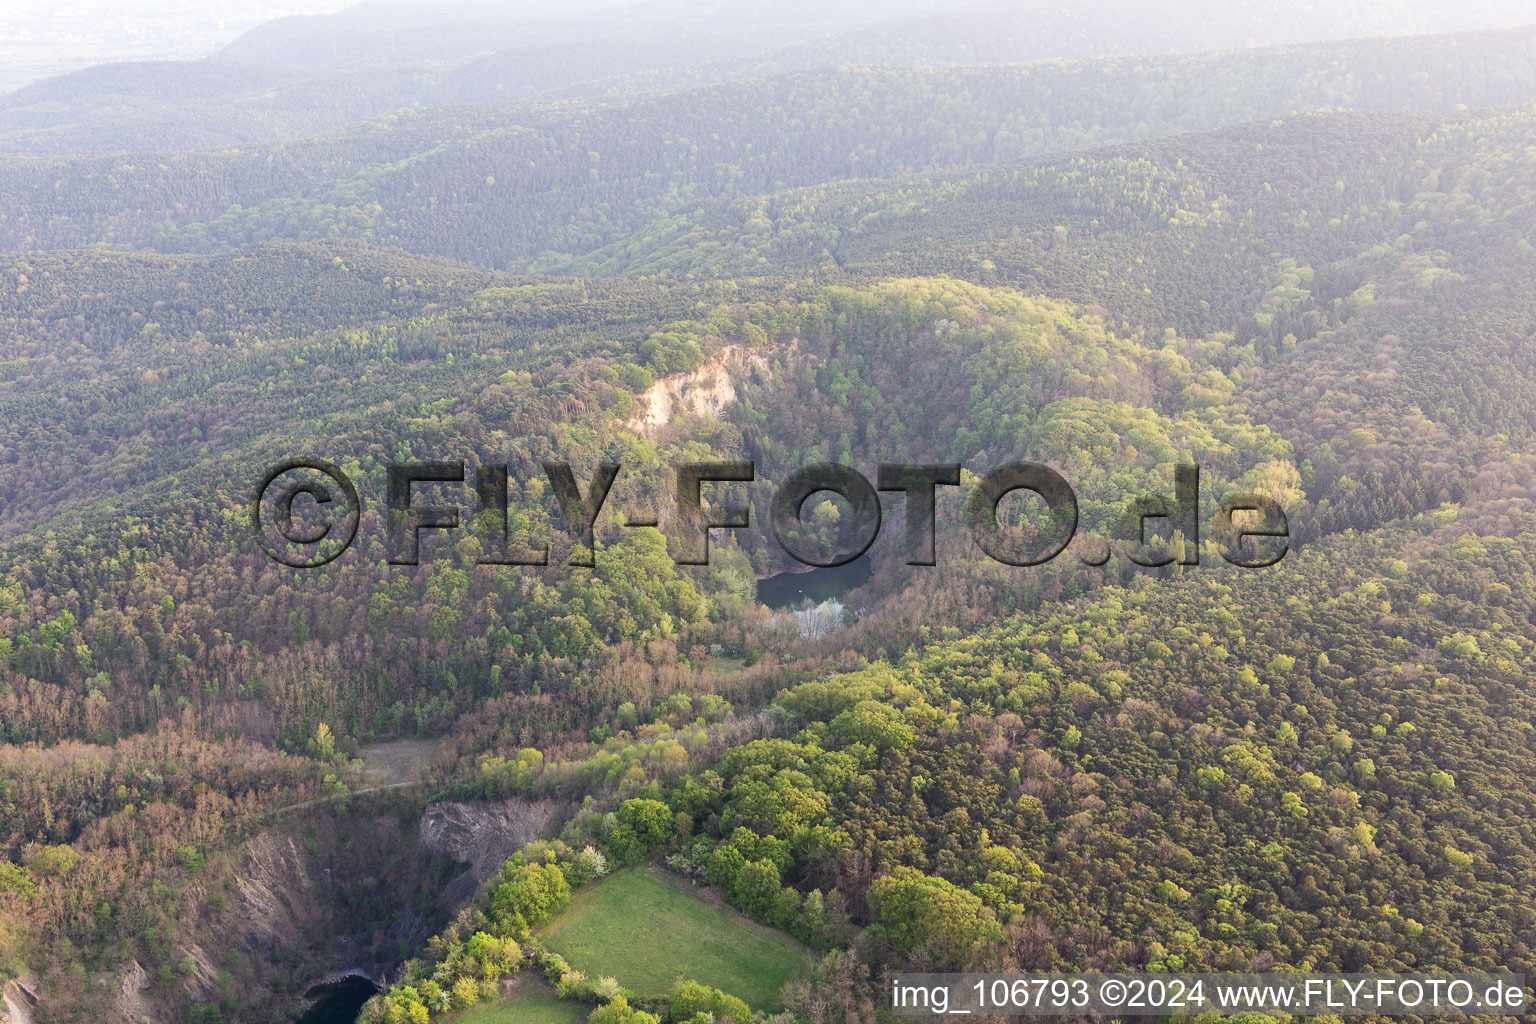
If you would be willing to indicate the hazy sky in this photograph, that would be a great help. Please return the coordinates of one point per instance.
(45, 37)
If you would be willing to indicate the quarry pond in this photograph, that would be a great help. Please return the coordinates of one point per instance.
(339, 1001)
(789, 590)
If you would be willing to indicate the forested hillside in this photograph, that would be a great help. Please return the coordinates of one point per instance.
(298, 76)
(532, 187)
(1305, 268)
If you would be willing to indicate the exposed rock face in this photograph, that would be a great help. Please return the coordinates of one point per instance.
(313, 898)
(281, 888)
(703, 391)
(17, 999)
(485, 833)
(131, 1002)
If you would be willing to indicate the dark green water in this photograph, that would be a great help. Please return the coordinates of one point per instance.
(338, 1002)
(790, 589)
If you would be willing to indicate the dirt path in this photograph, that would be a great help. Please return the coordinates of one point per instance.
(396, 764)
(317, 801)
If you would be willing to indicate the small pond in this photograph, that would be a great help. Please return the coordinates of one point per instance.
(791, 589)
(339, 1001)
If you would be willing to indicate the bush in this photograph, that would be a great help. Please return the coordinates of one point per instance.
(54, 861)
(529, 894)
(931, 915)
(618, 1011)
(693, 999)
(643, 826)
(466, 992)
(14, 878)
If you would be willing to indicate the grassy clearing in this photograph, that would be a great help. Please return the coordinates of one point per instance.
(532, 1003)
(649, 935)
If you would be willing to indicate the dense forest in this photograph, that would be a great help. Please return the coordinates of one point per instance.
(1304, 267)
(295, 77)
(534, 186)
